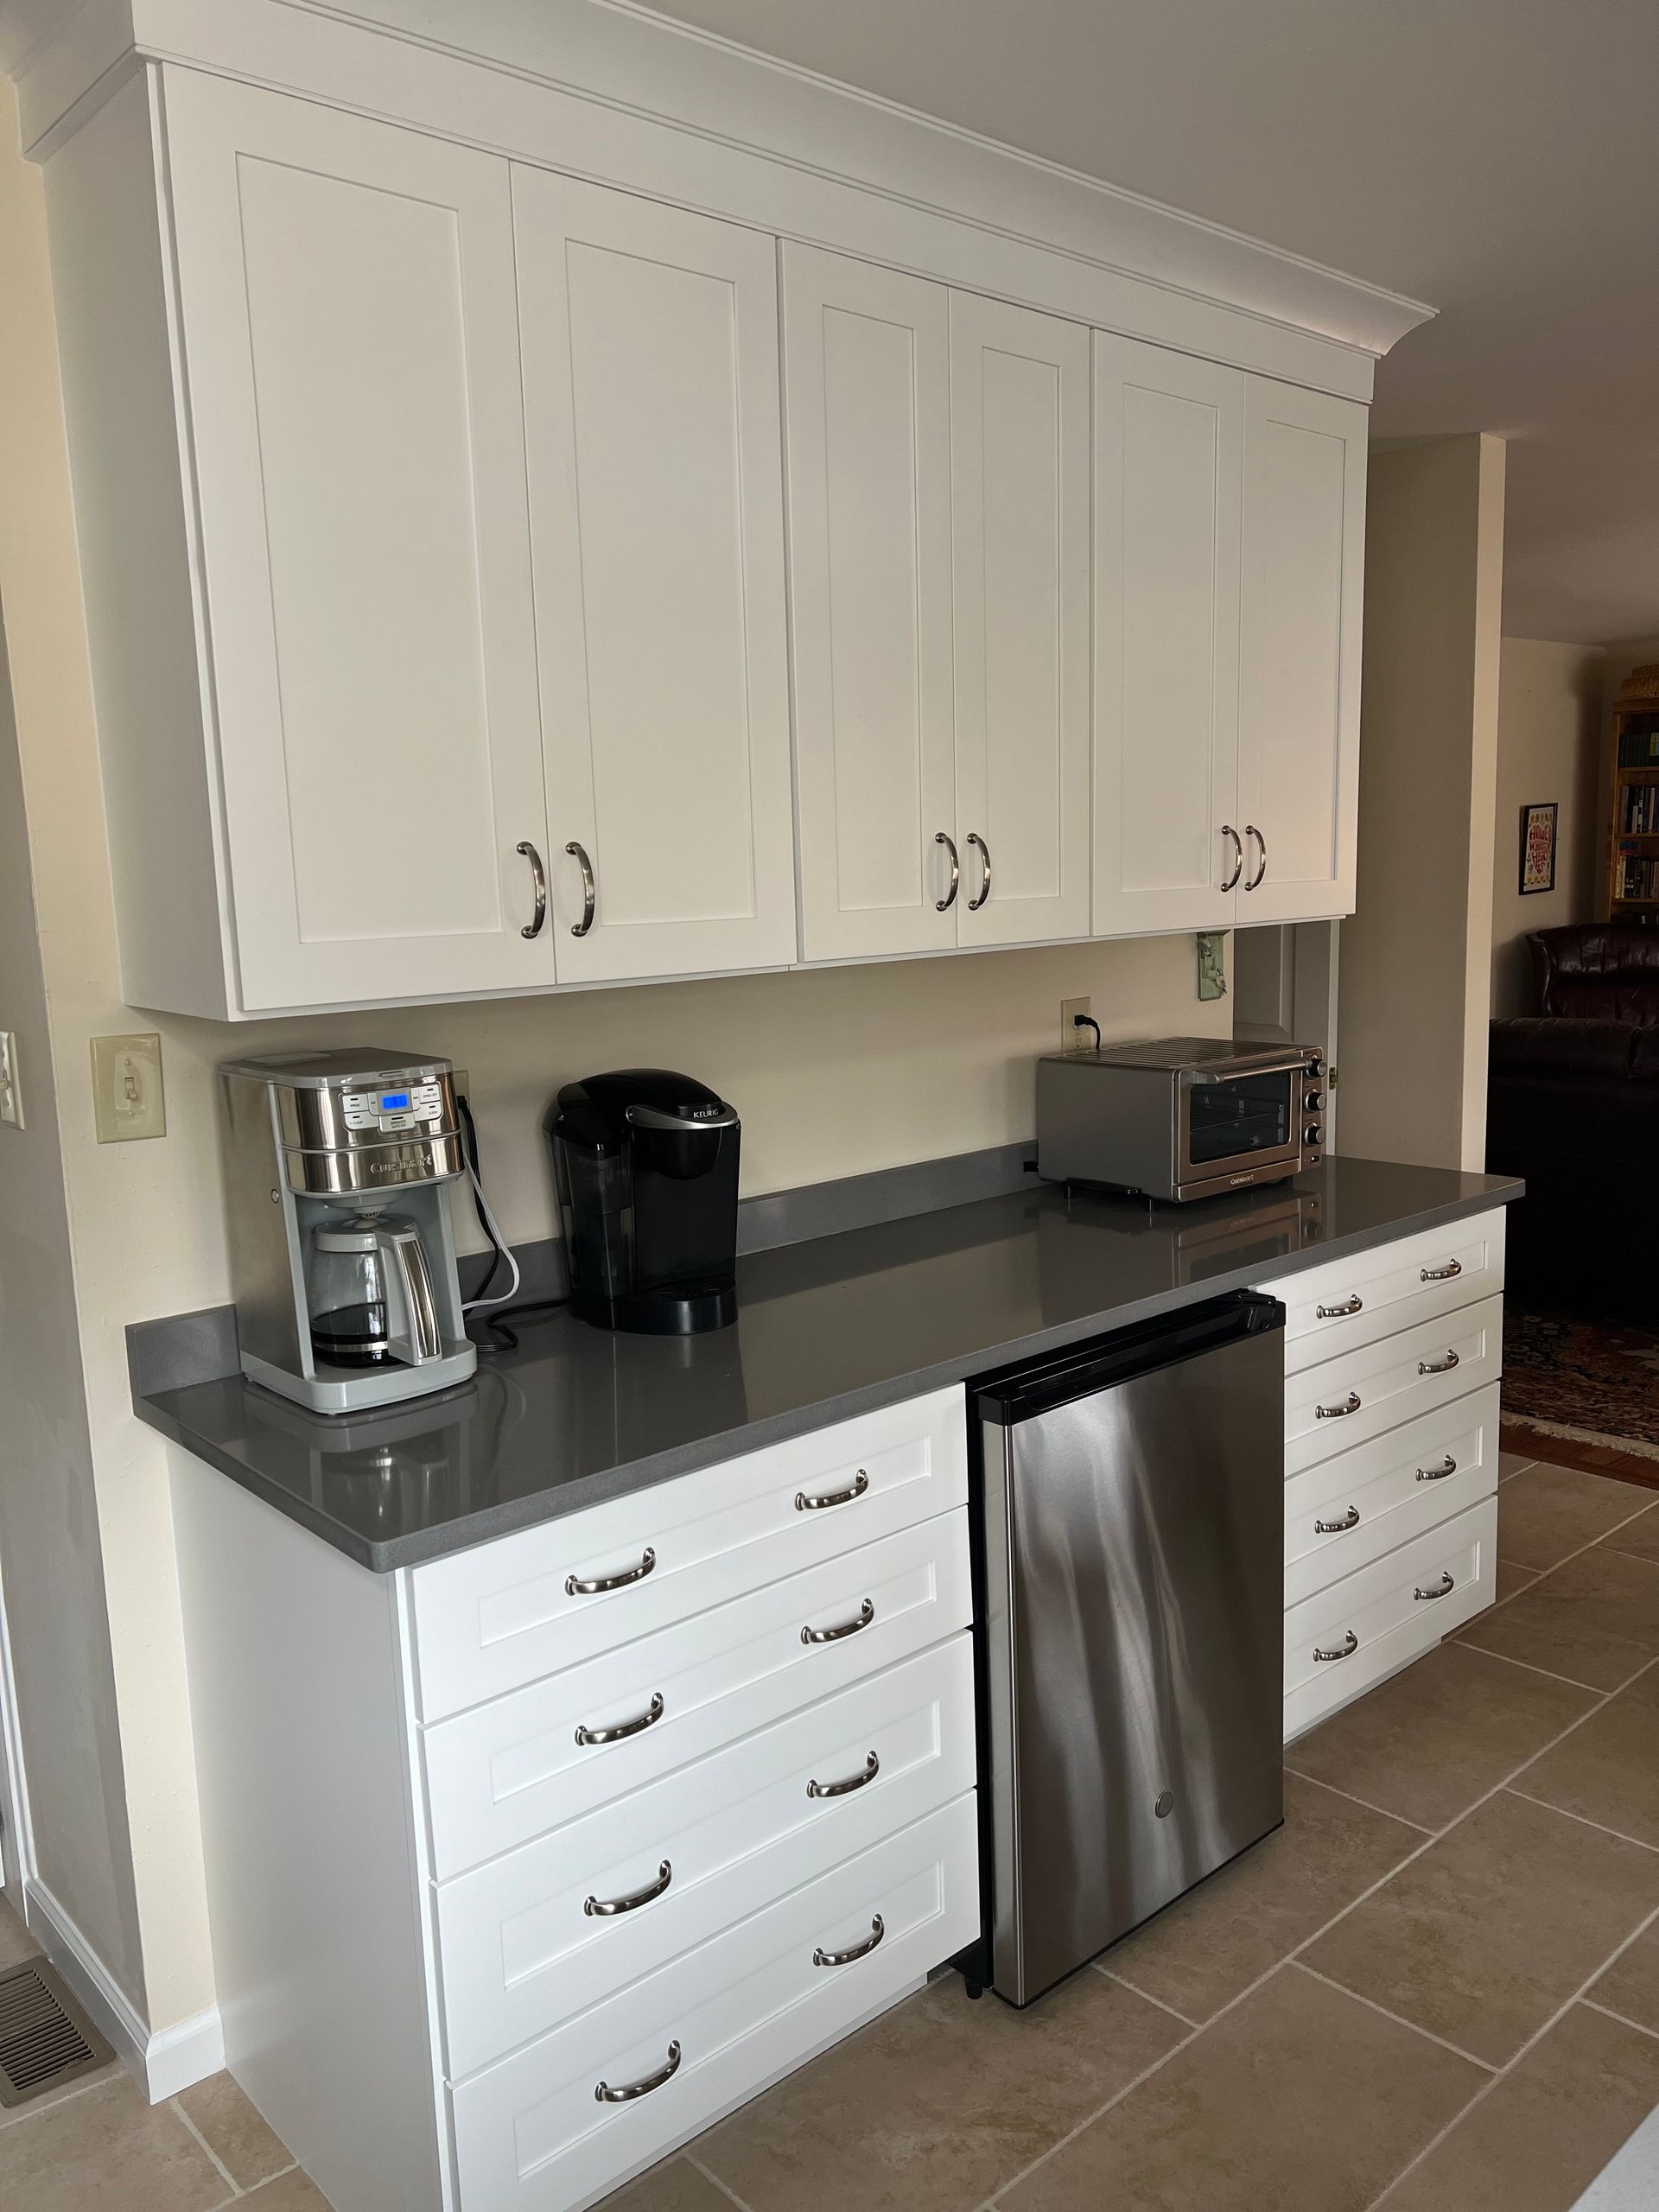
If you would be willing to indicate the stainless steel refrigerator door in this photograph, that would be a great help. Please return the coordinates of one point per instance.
(1135, 1563)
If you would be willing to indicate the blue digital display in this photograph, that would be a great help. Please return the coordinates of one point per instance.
(394, 1102)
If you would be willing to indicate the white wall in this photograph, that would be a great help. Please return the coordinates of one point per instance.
(1416, 964)
(1548, 747)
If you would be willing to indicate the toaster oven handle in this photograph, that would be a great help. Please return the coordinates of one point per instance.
(1259, 1064)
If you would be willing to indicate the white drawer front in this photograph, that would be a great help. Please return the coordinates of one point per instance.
(1351, 1302)
(531, 2133)
(505, 1614)
(1377, 1619)
(515, 1769)
(1348, 1399)
(519, 1951)
(1346, 1511)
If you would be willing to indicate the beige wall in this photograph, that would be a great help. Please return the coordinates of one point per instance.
(835, 1072)
(1548, 747)
(1416, 966)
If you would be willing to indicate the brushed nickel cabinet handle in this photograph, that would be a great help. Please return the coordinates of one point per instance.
(575, 1588)
(1449, 1273)
(1228, 830)
(652, 1714)
(581, 928)
(1449, 1467)
(865, 1615)
(1443, 1589)
(538, 887)
(626, 2092)
(950, 898)
(974, 838)
(1349, 1520)
(1346, 1649)
(1438, 1366)
(1258, 879)
(805, 1503)
(866, 1774)
(608, 1908)
(1350, 1405)
(1340, 1313)
(878, 1929)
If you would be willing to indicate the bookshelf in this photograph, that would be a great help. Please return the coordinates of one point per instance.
(1633, 867)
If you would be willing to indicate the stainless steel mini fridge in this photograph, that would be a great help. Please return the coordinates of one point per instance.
(1133, 1557)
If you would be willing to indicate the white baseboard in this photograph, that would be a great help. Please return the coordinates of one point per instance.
(162, 2063)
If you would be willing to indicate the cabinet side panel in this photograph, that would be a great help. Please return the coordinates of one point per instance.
(112, 286)
(313, 1888)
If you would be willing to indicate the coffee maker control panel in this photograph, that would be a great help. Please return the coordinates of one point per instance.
(392, 1109)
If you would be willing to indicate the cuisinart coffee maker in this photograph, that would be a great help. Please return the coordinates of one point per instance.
(342, 1260)
(646, 1163)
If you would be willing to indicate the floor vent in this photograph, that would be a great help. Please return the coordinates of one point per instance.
(45, 2037)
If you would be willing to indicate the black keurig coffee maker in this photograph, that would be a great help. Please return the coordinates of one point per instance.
(646, 1163)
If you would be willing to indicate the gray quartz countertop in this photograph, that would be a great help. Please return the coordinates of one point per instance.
(825, 1330)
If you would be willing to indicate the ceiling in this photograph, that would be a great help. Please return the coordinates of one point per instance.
(1499, 158)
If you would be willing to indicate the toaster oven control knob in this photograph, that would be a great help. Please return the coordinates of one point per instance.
(1312, 1134)
(1313, 1102)
(1314, 1063)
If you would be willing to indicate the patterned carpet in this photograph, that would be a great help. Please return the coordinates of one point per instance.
(1597, 1381)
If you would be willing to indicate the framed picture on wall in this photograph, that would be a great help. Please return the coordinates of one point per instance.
(1538, 846)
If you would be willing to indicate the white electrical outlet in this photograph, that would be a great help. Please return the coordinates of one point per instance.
(127, 1097)
(1073, 1039)
(11, 1096)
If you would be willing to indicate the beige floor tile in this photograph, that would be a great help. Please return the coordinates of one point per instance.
(1495, 1927)
(233, 2130)
(1546, 1512)
(1639, 1537)
(17, 1944)
(1200, 1954)
(1631, 1984)
(293, 2192)
(1536, 2141)
(106, 2150)
(1511, 1463)
(1440, 1735)
(675, 2186)
(935, 2105)
(1607, 1769)
(1511, 1578)
(1298, 2101)
(1595, 1620)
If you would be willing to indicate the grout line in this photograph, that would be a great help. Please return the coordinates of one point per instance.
(1110, 1973)
(1594, 2005)
(21, 2114)
(713, 2178)
(1601, 1827)
(1457, 2050)
(1549, 1673)
(225, 2174)
(1319, 1783)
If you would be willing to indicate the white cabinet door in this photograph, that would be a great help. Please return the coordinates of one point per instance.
(1020, 509)
(350, 338)
(1169, 435)
(866, 369)
(1304, 456)
(652, 413)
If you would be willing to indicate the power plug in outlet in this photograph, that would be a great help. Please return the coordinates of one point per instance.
(11, 1096)
(1073, 1038)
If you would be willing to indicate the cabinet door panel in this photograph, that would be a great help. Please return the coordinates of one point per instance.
(866, 365)
(1168, 446)
(350, 333)
(651, 412)
(1020, 504)
(1304, 457)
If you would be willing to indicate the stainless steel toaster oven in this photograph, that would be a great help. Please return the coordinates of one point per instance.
(1184, 1118)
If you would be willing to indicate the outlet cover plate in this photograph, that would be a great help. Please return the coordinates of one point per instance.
(127, 1097)
(11, 1096)
(1212, 972)
(1073, 1039)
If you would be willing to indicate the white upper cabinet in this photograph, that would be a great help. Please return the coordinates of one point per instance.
(1304, 457)
(349, 333)
(650, 379)
(1020, 521)
(867, 371)
(1169, 435)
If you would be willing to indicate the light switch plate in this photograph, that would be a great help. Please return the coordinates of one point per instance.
(127, 1097)
(11, 1096)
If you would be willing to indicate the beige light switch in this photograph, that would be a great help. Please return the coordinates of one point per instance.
(127, 1097)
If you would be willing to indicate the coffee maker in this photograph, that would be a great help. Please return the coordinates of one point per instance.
(646, 1162)
(342, 1258)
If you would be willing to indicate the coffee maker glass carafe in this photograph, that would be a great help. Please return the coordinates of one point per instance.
(369, 1290)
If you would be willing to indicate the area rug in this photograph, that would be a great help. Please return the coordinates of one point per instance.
(1592, 1383)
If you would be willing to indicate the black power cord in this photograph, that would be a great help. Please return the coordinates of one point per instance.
(495, 1335)
(1087, 1022)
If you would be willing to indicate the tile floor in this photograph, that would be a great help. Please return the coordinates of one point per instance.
(1436, 1987)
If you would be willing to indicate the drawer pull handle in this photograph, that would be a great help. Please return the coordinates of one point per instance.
(865, 1615)
(1438, 1366)
(1438, 1474)
(1449, 1273)
(626, 2092)
(878, 1929)
(1346, 1649)
(1349, 1520)
(871, 1768)
(805, 1503)
(1443, 1588)
(653, 1712)
(1350, 1405)
(575, 1588)
(608, 1908)
(1340, 1313)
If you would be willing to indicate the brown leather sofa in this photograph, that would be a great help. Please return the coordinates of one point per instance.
(1573, 1105)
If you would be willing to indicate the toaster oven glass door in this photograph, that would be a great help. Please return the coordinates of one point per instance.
(1239, 1121)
